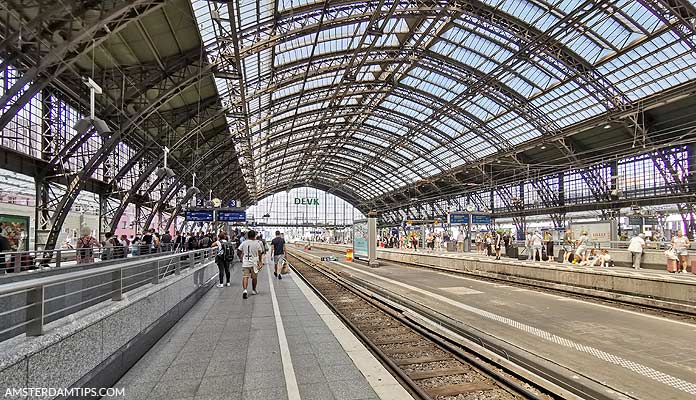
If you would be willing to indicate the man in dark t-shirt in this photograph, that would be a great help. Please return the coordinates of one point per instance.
(278, 252)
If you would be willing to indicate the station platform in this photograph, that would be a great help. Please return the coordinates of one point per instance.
(282, 343)
(644, 287)
(629, 354)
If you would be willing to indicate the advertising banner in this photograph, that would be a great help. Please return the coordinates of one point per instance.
(597, 231)
(15, 228)
(360, 236)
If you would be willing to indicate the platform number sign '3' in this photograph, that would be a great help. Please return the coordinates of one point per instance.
(232, 203)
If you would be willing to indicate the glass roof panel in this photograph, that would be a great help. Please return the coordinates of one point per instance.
(472, 94)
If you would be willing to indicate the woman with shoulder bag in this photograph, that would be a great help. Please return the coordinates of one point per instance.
(221, 260)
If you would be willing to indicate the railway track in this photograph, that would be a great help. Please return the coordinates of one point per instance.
(428, 365)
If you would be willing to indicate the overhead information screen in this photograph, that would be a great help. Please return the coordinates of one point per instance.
(199, 215)
(231, 216)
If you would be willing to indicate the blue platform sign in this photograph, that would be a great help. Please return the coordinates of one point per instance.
(199, 215)
(458, 218)
(231, 216)
(480, 219)
(232, 204)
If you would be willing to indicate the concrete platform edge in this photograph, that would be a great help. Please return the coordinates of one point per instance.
(643, 291)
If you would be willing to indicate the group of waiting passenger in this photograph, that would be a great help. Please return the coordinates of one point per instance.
(88, 247)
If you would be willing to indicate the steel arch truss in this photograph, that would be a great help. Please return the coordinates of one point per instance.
(397, 92)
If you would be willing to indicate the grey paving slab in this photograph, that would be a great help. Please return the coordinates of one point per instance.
(316, 391)
(136, 391)
(352, 389)
(275, 393)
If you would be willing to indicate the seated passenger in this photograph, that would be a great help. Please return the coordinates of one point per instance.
(591, 260)
(606, 259)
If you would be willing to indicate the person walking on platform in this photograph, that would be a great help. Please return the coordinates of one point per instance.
(528, 245)
(221, 259)
(636, 246)
(460, 242)
(191, 242)
(567, 246)
(537, 242)
(251, 254)
(549, 248)
(497, 243)
(166, 241)
(278, 253)
(147, 241)
(430, 242)
(85, 253)
(581, 249)
(680, 244)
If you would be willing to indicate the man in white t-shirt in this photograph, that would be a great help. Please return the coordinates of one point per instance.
(636, 246)
(460, 242)
(251, 254)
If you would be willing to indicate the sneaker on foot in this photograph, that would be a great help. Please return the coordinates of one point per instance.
(275, 273)
(280, 276)
(219, 285)
(254, 292)
(227, 284)
(245, 295)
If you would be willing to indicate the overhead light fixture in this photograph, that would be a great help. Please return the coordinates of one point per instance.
(165, 172)
(192, 191)
(607, 126)
(543, 147)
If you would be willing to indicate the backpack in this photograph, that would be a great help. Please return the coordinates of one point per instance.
(229, 252)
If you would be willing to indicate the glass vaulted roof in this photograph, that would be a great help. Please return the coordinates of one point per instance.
(365, 98)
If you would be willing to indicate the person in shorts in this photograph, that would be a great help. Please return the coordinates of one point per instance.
(251, 254)
(582, 246)
(278, 253)
(680, 244)
(567, 246)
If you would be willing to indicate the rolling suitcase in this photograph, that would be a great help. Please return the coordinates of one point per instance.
(672, 265)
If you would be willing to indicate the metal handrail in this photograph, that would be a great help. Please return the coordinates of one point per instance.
(19, 261)
(31, 313)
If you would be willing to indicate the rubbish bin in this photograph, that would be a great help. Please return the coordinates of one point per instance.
(349, 254)
(452, 246)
